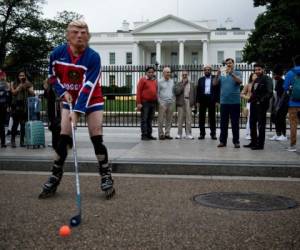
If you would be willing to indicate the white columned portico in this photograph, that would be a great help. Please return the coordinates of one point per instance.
(136, 54)
(158, 51)
(204, 52)
(181, 52)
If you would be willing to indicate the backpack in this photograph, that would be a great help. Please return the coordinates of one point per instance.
(295, 95)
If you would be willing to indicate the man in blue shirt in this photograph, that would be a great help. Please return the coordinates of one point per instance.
(293, 77)
(229, 81)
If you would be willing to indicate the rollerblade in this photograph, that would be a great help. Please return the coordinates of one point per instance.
(49, 188)
(107, 187)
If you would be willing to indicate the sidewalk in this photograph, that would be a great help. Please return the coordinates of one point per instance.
(128, 154)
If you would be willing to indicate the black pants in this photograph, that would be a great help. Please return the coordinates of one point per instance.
(18, 118)
(258, 117)
(55, 128)
(231, 111)
(147, 114)
(3, 114)
(207, 104)
(280, 121)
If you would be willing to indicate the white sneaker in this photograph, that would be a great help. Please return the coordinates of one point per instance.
(274, 138)
(178, 137)
(248, 137)
(281, 138)
(292, 148)
(190, 137)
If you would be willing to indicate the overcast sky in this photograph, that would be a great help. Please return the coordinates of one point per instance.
(108, 15)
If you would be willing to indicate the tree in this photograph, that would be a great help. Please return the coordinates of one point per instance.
(25, 37)
(276, 36)
(17, 17)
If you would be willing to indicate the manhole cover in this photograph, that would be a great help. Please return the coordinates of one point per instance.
(245, 201)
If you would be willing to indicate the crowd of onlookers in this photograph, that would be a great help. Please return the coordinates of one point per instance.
(13, 105)
(261, 93)
(16, 110)
(222, 89)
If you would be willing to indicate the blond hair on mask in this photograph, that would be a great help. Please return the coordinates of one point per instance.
(80, 24)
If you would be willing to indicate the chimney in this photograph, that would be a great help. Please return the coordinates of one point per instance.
(125, 26)
(228, 23)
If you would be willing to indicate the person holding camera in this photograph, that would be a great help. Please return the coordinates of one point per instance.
(185, 99)
(229, 81)
(21, 90)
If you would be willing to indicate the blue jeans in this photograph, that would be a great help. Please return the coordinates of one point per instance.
(231, 111)
(147, 114)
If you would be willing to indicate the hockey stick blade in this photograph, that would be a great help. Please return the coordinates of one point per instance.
(75, 221)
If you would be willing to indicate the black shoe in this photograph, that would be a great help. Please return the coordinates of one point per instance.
(237, 145)
(3, 146)
(250, 145)
(47, 194)
(13, 144)
(221, 145)
(168, 137)
(202, 137)
(257, 148)
(22, 145)
(162, 137)
(213, 137)
(145, 138)
(152, 137)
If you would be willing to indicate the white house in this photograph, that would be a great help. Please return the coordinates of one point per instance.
(170, 40)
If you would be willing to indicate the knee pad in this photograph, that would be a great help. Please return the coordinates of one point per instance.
(61, 150)
(101, 154)
(100, 149)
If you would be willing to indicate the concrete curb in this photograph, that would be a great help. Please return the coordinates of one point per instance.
(222, 168)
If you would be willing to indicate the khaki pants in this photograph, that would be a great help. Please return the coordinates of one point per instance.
(293, 123)
(185, 114)
(165, 114)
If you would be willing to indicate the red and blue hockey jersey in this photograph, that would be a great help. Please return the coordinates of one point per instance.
(80, 76)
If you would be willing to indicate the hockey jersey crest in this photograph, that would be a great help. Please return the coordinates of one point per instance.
(80, 76)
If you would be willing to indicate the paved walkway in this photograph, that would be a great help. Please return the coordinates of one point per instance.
(128, 154)
(146, 213)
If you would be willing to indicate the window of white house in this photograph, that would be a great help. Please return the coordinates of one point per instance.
(220, 56)
(112, 58)
(195, 58)
(112, 80)
(174, 58)
(238, 56)
(128, 58)
(153, 58)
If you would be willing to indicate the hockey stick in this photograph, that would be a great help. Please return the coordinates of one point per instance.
(75, 220)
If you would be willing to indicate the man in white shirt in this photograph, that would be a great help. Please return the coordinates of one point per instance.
(166, 101)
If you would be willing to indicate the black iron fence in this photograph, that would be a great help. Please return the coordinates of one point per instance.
(119, 84)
